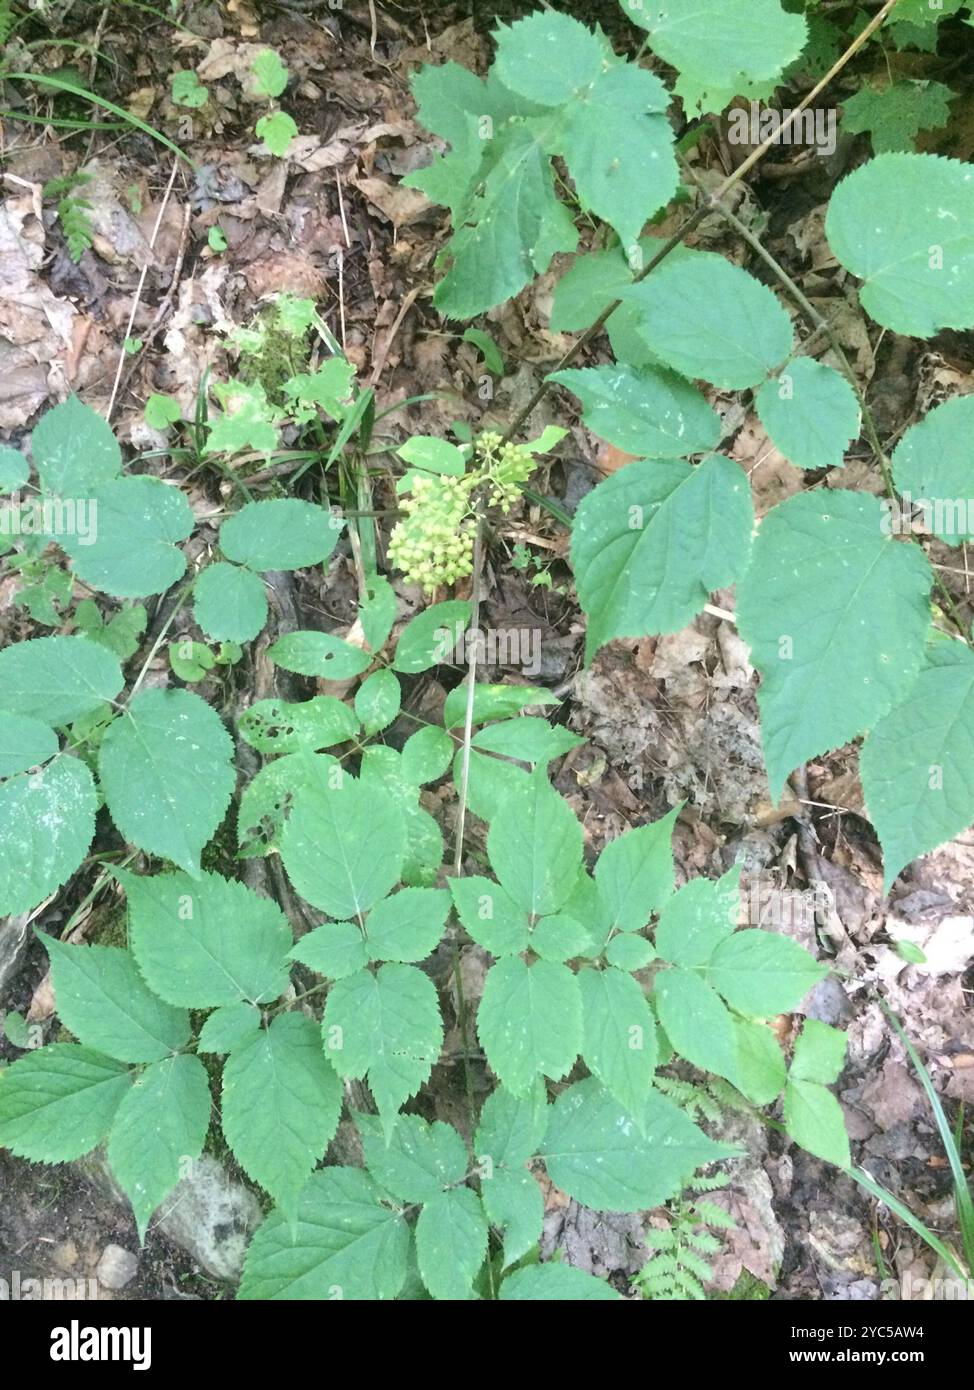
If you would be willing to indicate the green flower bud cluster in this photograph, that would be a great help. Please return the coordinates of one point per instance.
(433, 544)
(505, 468)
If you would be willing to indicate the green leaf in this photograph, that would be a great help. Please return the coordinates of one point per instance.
(47, 821)
(556, 1283)
(918, 271)
(696, 1021)
(433, 455)
(270, 74)
(377, 700)
(14, 470)
(277, 131)
(491, 783)
(825, 577)
(493, 358)
(248, 420)
(345, 1243)
(279, 726)
(535, 847)
(335, 949)
(282, 534)
(387, 1027)
(188, 90)
(319, 654)
(430, 638)
(228, 1027)
(121, 635)
(216, 239)
(281, 1104)
(619, 1044)
(24, 743)
(917, 764)
(530, 1021)
(698, 918)
(560, 938)
(328, 388)
(490, 915)
(58, 1103)
(267, 799)
(931, 469)
(408, 925)
(814, 1119)
(627, 951)
(74, 449)
(634, 873)
(103, 1001)
(343, 847)
(510, 1132)
(654, 540)
(894, 115)
(492, 702)
(420, 1159)
(593, 283)
(229, 603)
(451, 1242)
(819, 1053)
(725, 46)
(190, 661)
(528, 739)
(426, 755)
(377, 611)
(160, 1125)
(707, 318)
(760, 1072)
(205, 941)
(810, 413)
(597, 1153)
(381, 770)
(650, 411)
(762, 973)
(57, 679)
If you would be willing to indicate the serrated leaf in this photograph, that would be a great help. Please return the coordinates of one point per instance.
(634, 874)
(492, 702)
(381, 770)
(530, 1021)
(510, 1132)
(47, 821)
(559, 938)
(160, 1125)
(281, 1103)
(377, 700)
(270, 74)
(697, 1023)
(74, 449)
(133, 550)
(426, 755)
(490, 915)
(343, 847)
(760, 1073)
(282, 726)
(335, 949)
(894, 115)
(377, 611)
(556, 1283)
(205, 941)
(649, 412)
(528, 739)
(725, 45)
(281, 534)
(597, 1153)
(619, 1044)
(103, 1000)
(698, 918)
(824, 575)
(319, 654)
(419, 1161)
(763, 973)
(491, 783)
(535, 848)
(654, 540)
(814, 1119)
(810, 413)
(229, 603)
(917, 271)
(917, 764)
(58, 1103)
(187, 90)
(14, 470)
(344, 1243)
(431, 637)
(24, 743)
(277, 130)
(267, 799)
(451, 1242)
(408, 925)
(166, 771)
(588, 288)
(819, 1053)
(627, 951)
(932, 468)
(228, 1027)
(707, 318)
(57, 679)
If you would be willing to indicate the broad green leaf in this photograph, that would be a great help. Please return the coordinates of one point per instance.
(619, 1044)
(696, 1021)
(760, 1073)
(453, 102)
(248, 420)
(560, 938)
(187, 90)
(267, 799)
(634, 874)
(281, 1103)
(319, 654)
(698, 918)
(160, 1125)
(190, 660)
(166, 771)
(47, 821)
(382, 771)
(431, 637)
(426, 755)
(345, 1243)
(932, 469)
(163, 411)
(528, 739)
(917, 764)
(724, 45)
(627, 951)
(103, 1001)
(282, 534)
(491, 783)
(277, 130)
(593, 283)
(530, 1021)
(895, 113)
(451, 1242)
(230, 603)
(819, 1053)
(407, 926)
(133, 551)
(762, 973)
(597, 1153)
(917, 269)
(58, 1103)
(649, 412)
(377, 700)
(654, 540)
(387, 1027)
(814, 1119)
(377, 611)
(57, 679)
(829, 591)
(556, 1283)
(228, 1027)
(74, 449)
(205, 941)
(511, 1132)
(707, 318)
(490, 915)
(535, 847)
(24, 743)
(432, 455)
(279, 726)
(269, 73)
(335, 949)
(329, 388)
(343, 847)
(14, 469)
(492, 702)
(810, 413)
(419, 1161)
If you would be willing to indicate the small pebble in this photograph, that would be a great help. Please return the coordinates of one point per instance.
(116, 1268)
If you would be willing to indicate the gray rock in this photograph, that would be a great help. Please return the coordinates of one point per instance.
(13, 946)
(116, 1268)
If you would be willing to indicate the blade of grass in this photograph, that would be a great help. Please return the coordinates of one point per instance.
(881, 1194)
